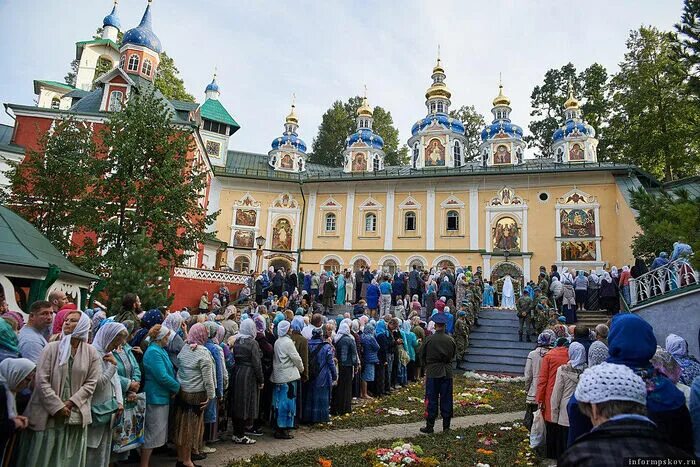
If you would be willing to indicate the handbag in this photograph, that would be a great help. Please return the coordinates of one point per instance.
(128, 432)
(537, 432)
(102, 413)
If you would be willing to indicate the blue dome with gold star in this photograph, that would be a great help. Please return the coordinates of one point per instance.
(502, 127)
(367, 136)
(449, 123)
(289, 138)
(112, 19)
(143, 35)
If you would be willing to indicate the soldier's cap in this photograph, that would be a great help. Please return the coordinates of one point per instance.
(562, 319)
(439, 318)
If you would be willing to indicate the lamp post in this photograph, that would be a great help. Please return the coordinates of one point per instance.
(260, 241)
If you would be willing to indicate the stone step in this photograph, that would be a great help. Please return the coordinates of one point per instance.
(494, 359)
(489, 328)
(494, 368)
(498, 352)
(497, 321)
(505, 315)
(499, 344)
(499, 336)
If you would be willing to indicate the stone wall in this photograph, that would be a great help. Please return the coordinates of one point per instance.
(677, 315)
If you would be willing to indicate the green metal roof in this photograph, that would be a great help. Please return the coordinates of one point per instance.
(255, 166)
(689, 184)
(81, 44)
(6, 138)
(184, 105)
(56, 84)
(21, 244)
(213, 110)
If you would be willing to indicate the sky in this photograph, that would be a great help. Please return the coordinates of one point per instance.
(322, 51)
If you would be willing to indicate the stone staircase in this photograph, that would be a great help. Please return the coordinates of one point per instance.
(494, 346)
(591, 319)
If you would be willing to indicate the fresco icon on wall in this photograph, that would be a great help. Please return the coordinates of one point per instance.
(506, 235)
(359, 163)
(246, 217)
(577, 222)
(282, 235)
(576, 152)
(578, 251)
(502, 155)
(243, 239)
(435, 154)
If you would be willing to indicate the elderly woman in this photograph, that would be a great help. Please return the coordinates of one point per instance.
(229, 322)
(129, 374)
(565, 383)
(370, 359)
(373, 294)
(160, 386)
(302, 346)
(286, 373)
(322, 377)
(16, 374)
(107, 400)
(9, 344)
(460, 288)
(221, 379)
(197, 387)
(150, 319)
(690, 367)
(59, 410)
(175, 322)
(346, 351)
(246, 382)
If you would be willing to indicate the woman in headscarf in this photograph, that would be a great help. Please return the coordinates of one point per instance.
(266, 341)
(370, 360)
(340, 292)
(487, 299)
(302, 346)
(16, 374)
(665, 364)
(322, 377)
(608, 294)
(551, 362)
(532, 372)
(690, 367)
(221, 381)
(98, 319)
(373, 294)
(581, 290)
(460, 288)
(229, 322)
(175, 322)
(107, 400)
(349, 288)
(246, 382)
(197, 387)
(150, 319)
(17, 318)
(447, 290)
(129, 374)
(348, 363)
(568, 299)
(59, 410)
(508, 294)
(411, 345)
(160, 386)
(356, 379)
(564, 387)
(381, 372)
(624, 283)
(286, 373)
(9, 344)
(592, 302)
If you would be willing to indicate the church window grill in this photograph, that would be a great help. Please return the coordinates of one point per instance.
(241, 264)
(122, 60)
(452, 221)
(375, 164)
(371, 222)
(330, 222)
(432, 107)
(134, 63)
(147, 67)
(410, 221)
(55, 103)
(440, 107)
(115, 101)
(416, 153)
(458, 154)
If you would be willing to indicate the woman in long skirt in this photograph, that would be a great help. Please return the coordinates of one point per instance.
(340, 293)
(246, 381)
(593, 291)
(317, 395)
(349, 288)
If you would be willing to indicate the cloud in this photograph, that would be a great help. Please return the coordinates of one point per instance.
(324, 51)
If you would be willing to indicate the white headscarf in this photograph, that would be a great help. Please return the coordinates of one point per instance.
(12, 373)
(106, 335)
(283, 328)
(173, 321)
(577, 355)
(508, 287)
(81, 332)
(248, 329)
(343, 330)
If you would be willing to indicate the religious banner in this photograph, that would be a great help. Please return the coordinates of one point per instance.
(578, 251)
(577, 222)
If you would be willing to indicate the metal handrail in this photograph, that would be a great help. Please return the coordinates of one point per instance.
(675, 275)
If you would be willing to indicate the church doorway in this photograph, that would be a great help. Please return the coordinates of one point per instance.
(502, 270)
(359, 264)
(278, 263)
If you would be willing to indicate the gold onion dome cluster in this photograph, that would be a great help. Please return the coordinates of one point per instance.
(364, 110)
(438, 88)
(501, 99)
(292, 117)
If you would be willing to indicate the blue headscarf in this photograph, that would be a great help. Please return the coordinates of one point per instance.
(279, 317)
(631, 342)
(150, 319)
(298, 323)
(369, 329)
(381, 328)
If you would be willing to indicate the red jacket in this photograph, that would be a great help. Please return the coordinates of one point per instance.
(555, 358)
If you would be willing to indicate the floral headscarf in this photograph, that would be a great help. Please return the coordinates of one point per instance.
(198, 336)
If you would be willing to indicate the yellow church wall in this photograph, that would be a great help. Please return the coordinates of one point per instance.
(627, 229)
(369, 240)
(404, 240)
(329, 240)
(452, 240)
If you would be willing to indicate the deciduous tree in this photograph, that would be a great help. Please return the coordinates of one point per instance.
(473, 124)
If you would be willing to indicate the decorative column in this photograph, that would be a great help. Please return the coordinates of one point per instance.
(389, 225)
(473, 218)
(310, 218)
(430, 219)
(349, 214)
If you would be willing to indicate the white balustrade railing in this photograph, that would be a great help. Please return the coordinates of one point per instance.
(660, 281)
(211, 275)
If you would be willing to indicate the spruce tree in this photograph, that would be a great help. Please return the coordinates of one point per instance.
(688, 46)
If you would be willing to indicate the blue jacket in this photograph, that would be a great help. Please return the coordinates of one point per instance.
(372, 297)
(446, 289)
(160, 376)
(121, 369)
(327, 373)
(370, 347)
(450, 326)
(385, 288)
(411, 343)
(346, 351)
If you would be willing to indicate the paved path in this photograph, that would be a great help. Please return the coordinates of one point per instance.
(308, 438)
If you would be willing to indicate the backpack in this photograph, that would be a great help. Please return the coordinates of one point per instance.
(314, 367)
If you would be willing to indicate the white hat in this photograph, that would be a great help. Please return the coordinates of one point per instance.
(610, 382)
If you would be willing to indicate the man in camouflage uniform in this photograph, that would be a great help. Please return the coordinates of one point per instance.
(543, 284)
(461, 334)
(524, 307)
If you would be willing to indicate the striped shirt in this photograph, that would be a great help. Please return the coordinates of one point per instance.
(196, 370)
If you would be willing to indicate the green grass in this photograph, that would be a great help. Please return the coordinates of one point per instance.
(505, 445)
(471, 397)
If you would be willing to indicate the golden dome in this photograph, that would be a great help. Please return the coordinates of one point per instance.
(438, 90)
(292, 117)
(438, 68)
(571, 102)
(501, 99)
(364, 110)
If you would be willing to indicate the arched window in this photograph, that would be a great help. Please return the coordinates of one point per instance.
(147, 67)
(331, 265)
(371, 222)
(241, 264)
(330, 222)
(115, 101)
(458, 154)
(55, 103)
(416, 153)
(417, 263)
(389, 267)
(375, 164)
(410, 221)
(440, 107)
(134, 63)
(452, 221)
(446, 264)
(432, 107)
(122, 60)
